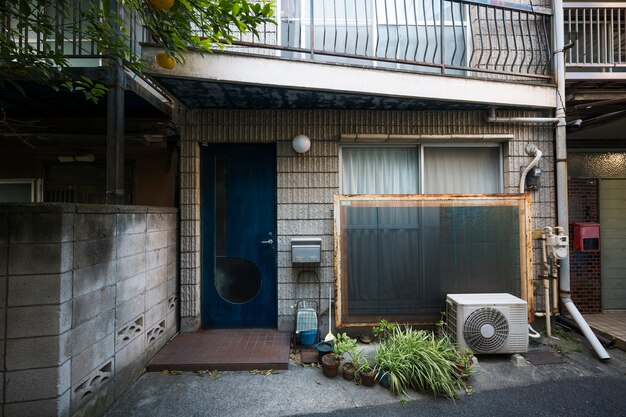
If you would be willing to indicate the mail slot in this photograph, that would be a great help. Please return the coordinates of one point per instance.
(587, 237)
(306, 250)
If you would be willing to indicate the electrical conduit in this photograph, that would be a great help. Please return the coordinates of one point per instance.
(533, 150)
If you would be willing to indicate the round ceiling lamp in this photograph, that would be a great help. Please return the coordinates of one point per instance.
(301, 143)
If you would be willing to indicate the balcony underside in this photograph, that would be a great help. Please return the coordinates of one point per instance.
(228, 80)
(38, 100)
(601, 105)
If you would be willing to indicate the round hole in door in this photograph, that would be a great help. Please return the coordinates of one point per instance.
(237, 280)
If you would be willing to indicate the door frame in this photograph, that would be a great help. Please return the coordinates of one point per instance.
(207, 231)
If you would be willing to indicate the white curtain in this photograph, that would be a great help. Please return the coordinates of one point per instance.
(462, 170)
(377, 170)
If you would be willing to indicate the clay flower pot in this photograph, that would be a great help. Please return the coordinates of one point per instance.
(330, 365)
(367, 378)
(348, 371)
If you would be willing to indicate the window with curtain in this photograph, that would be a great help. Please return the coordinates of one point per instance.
(395, 170)
(378, 170)
(466, 170)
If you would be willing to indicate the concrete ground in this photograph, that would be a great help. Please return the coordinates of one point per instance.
(610, 325)
(498, 387)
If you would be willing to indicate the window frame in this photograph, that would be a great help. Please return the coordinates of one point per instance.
(420, 153)
(464, 145)
(521, 201)
(35, 186)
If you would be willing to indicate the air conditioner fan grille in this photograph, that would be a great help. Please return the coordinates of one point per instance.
(486, 330)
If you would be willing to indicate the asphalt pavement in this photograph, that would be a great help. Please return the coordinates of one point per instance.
(579, 385)
(589, 397)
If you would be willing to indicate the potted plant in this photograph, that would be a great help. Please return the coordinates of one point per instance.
(366, 372)
(323, 348)
(394, 367)
(382, 330)
(330, 361)
(348, 371)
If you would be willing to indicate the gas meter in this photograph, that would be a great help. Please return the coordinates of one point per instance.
(557, 245)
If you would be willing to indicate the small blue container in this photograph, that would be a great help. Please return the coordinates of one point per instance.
(307, 338)
(323, 348)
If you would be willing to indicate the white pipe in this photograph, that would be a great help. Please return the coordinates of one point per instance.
(584, 328)
(555, 287)
(493, 119)
(546, 282)
(561, 178)
(531, 150)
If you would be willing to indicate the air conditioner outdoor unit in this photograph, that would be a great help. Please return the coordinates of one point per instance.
(488, 323)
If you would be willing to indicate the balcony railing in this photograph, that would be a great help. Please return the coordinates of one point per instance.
(477, 38)
(71, 36)
(470, 37)
(598, 31)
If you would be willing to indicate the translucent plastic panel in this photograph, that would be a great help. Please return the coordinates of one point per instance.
(400, 262)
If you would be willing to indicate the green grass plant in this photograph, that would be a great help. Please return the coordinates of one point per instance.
(423, 361)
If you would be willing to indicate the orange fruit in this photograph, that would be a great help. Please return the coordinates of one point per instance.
(165, 61)
(161, 4)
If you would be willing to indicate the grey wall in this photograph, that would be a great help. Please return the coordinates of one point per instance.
(307, 183)
(87, 296)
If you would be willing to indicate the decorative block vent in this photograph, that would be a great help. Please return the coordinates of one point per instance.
(82, 392)
(129, 332)
(155, 332)
(171, 302)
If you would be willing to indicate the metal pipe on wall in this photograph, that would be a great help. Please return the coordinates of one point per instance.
(491, 118)
(546, 282)
(561, 178)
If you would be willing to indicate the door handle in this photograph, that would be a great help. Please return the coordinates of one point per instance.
(267, 242)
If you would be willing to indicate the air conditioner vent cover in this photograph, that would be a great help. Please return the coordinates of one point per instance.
(488, 322)
(486, 330)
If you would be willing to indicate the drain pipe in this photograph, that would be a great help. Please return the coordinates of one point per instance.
(561, 180)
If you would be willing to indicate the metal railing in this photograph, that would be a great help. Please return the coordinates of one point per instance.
(598, 34)
(489, 38)
(71, 36)
(470, 37)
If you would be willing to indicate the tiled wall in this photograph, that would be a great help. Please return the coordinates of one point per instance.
(88, 297)
(307, 183)
(584, 266)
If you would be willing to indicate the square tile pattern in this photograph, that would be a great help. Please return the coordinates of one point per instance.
(224, 350)
(610, 325)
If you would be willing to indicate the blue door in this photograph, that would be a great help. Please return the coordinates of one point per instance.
(239, 235)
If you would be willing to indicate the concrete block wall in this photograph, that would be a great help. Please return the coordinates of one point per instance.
(88, 297)
(307, 183)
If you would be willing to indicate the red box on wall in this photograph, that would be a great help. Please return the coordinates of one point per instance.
(587, 237)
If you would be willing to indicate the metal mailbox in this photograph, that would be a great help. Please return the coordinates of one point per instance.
(306, 250)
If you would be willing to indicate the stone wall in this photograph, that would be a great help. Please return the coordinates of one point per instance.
(88, 296)
(307, 183)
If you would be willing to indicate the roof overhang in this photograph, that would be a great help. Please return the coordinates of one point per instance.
(234, 80)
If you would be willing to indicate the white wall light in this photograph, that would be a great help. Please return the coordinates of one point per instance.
(301, 143)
